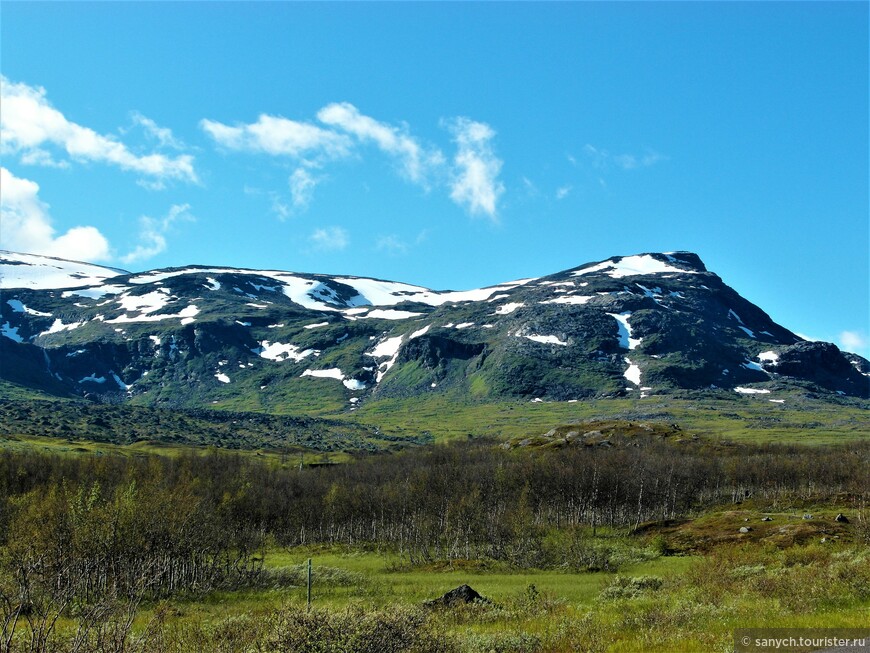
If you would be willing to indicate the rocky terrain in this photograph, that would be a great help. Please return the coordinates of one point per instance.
(278, 341)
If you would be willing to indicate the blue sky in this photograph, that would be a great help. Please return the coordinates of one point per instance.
(452, 145)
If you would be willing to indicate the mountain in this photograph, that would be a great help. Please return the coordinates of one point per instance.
(276, 341)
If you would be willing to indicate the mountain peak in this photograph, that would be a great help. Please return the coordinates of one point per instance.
(19, 270)
(645, 264)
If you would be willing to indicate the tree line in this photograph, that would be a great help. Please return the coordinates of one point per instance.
(80, 534)
(459, 500)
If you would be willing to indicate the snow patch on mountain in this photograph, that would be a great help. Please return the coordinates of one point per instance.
(121, 384)
(332, 373)
(389, 314)
(45, 272)
(96, 292)
(187, 315)
(768, 357)
(57, 326)
(577, 300)
(277, 351)
(547, 340)
(625, 339)
(632, 373)
(389, 293)
(147, 303)
(388, 348)
(337, 374)
(628, 266)
(507, 309)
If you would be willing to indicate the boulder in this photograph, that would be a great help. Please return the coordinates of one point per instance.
(463, 594)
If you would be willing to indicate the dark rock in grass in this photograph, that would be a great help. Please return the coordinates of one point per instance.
(841, 518)
(462, 595)
(767, 519)
(745, 529)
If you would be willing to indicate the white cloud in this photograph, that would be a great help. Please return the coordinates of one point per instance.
(28, 123)
(530, 187)
(280, 136)
(163, 135)
(853, 341)
(27, 225)
(39, 157)
(302, 184)
(602, 159)
(330, 239)
(472, 177)
(562, 192)
(153, 231)
(392, 140)
(392, 244)
(279, 207)
(475, 183)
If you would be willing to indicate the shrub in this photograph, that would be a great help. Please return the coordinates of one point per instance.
(627, 587)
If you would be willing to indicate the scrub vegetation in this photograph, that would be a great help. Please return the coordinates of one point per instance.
(622, 537)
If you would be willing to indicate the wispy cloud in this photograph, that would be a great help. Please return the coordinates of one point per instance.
(29, 124)
(395, 141)
(163, 135)
(152, 234)
(302, 184)
(853, 341)
(42, 158)
(330, 239)
(603, 160)
(280, 136)
(563, 191)
(27, 225)
(475, 184)
(471, 178)
(393, 245)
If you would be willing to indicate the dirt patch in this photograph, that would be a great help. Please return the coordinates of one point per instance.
(780, 529)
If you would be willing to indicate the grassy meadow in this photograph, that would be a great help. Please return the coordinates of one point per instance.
(619, 525)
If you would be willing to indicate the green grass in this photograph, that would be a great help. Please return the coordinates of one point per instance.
(801, 420)
(694, 604)
(396, 584)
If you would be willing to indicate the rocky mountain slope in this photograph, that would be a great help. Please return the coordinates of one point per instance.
(280, 341)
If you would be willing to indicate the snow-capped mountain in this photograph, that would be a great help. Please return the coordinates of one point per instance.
(273, 340)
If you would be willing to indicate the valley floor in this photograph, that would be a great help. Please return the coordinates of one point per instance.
(618, 536)
(657, 600)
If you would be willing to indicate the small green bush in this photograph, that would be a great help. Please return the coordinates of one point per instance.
(627, 587)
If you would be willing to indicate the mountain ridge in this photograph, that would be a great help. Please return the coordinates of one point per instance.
(275, 341)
